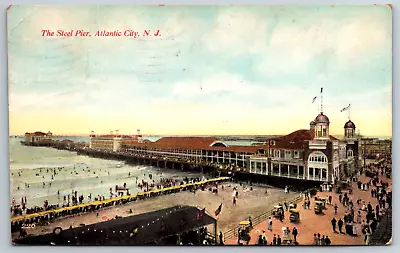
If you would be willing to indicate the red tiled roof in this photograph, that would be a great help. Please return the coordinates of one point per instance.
(293, 140)
(195, 143)
(192, 143)
(36, 134)
(245, 149)
(296, 139)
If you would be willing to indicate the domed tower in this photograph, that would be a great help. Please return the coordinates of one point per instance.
(349, 130)
(321, 127)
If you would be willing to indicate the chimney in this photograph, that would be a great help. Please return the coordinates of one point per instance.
(117, 132)
(138, 132)
(111, 132)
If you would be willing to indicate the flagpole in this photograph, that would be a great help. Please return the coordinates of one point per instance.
(321, 102)
(348, 114)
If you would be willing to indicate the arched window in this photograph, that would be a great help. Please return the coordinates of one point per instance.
(318, 157)
(218, 144)
(349, 153)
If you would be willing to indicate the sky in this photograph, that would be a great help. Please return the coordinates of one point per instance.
(215, 70)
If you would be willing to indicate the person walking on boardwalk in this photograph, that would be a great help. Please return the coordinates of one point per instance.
(340, 225)
(330, 200)
(281, 215)
(274, 240)
(333, 222)
(336, 208)
(269, 224)
(279, 240)
(327, 241)
(295, 233)
(264, 238)
(359, 217)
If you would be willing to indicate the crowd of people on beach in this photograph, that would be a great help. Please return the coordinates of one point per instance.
(73, 199)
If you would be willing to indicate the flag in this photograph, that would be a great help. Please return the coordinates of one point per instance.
(218, 210)
(344, 109)
(321, 89)
(314, 99)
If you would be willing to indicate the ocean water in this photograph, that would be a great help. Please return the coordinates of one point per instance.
(86, 175)
(34, 166)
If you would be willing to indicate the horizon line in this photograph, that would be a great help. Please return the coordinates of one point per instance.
(198, 135)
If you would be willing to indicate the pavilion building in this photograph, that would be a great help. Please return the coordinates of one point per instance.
(307, 154)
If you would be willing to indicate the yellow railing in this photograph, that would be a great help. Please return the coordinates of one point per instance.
(95, 203)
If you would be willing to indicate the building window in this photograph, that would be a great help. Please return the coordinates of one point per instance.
(284, 170)
(296, 154)
(264, 168)
(293, 171)
(324, 174)
(318, 157)
(275, 169)
(277, 153)
(349, 153)
(301, 171)
(317, 175)
(310, 173)
(259, 167)
(288, 154)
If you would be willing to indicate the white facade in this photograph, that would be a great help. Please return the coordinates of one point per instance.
(317, 166)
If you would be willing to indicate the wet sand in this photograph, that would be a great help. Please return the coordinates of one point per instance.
(249, 203)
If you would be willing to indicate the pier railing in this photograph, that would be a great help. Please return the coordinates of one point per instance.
(233, 232)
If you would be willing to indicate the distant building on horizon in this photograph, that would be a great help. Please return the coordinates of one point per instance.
(38, 138)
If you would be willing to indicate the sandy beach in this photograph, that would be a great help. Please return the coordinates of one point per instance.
(250, 203)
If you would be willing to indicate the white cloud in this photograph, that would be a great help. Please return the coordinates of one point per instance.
(236, 31)
(292, 46)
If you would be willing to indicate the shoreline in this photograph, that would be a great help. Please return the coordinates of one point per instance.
(248, 204)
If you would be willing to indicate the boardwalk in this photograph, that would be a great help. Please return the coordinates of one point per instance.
(312, 223)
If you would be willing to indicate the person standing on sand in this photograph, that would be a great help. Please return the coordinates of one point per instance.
(336, 208)
(234, 201)
(274, 240)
